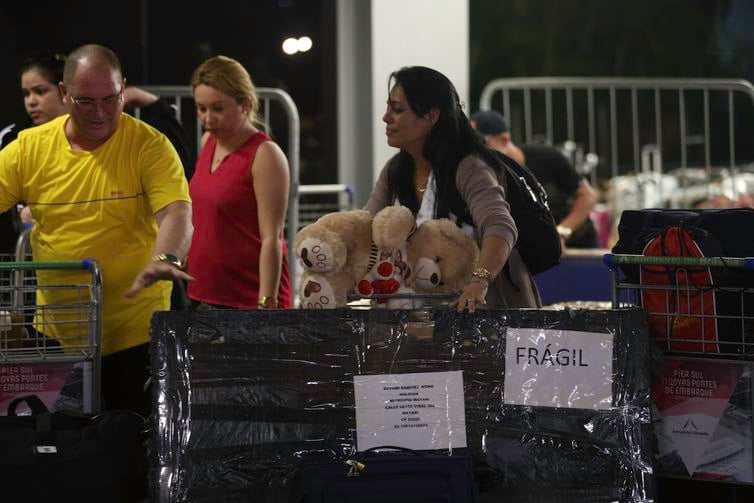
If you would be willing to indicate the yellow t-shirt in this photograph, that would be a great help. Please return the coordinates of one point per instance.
(100, 205)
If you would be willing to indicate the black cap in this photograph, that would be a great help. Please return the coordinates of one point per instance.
(489, 122)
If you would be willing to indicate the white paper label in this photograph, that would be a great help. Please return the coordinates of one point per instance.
(558, 368)
(417, 411)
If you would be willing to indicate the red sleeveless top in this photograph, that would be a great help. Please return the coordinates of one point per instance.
(224, 253)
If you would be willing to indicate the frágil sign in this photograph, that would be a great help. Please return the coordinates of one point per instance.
(558, 368)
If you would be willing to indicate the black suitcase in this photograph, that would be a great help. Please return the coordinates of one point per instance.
(397, 476)
(67, 457)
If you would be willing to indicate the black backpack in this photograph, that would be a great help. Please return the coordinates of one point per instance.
(538, 239)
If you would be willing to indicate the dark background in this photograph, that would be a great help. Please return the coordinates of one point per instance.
(610, 38)
(161, 42)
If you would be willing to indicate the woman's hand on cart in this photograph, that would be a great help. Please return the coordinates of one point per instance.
(473, 295)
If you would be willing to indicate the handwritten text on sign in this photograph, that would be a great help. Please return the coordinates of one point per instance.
(558, 368)
(417, 411)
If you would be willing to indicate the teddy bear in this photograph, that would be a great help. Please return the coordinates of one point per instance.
(387, 277)
(438, 258)
(442, 257)
(341, 249)
(351, 251)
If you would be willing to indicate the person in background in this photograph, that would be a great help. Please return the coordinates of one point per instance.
(158, 113)
(443, 169)
(104, 185)
(571, 197)
(40, 75)
(240, 194)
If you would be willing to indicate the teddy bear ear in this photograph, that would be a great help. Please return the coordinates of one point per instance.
(392, 226)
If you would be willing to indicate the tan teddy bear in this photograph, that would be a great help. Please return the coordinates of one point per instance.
(351, 251)
(437, 258)
(442, 257)
(340, 249)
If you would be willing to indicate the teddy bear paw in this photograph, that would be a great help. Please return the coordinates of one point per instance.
(317, 255)
(317, 293)
(364, 288)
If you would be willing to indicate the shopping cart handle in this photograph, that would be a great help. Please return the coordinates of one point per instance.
(86, 264)
(611, 260)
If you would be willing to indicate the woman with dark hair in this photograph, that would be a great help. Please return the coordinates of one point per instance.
(43, 102)
(444, 170)
(40, 76)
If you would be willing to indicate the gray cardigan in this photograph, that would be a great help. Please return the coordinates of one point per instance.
(490, 212)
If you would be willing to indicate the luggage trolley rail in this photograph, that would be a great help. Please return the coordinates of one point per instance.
(684, 302)
(41, 342)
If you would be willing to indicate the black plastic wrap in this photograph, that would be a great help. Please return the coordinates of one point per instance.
(243, 398)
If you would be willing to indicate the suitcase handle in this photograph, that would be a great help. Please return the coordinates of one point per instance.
(373, 450)
(36, 405)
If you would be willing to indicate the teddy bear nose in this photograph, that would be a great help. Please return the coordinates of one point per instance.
(435, 279)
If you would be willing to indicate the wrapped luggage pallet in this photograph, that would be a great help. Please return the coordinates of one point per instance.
(246, 401)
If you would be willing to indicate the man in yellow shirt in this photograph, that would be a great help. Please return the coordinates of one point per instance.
(103, 185)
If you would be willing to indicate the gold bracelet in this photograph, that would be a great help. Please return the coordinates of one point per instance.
(482, 273)
(265, 302)
(565, 232)
(168, 259)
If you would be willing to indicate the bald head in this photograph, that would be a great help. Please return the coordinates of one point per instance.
(92, 90)
(91, 56)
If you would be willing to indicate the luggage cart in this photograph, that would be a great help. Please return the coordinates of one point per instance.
(686, 302)
(51, 350)
(703, 393)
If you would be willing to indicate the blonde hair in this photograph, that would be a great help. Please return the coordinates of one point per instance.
(229, 77)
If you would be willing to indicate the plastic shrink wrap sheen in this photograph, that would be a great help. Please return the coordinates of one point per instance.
(244, 398)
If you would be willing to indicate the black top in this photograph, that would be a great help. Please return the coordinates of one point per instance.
(560, 181)
(9, 133)
(161, 116)
(9, 222)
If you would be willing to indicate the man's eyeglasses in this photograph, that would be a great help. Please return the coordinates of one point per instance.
(108, 102)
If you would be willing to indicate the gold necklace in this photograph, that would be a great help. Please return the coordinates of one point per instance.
(421, 190)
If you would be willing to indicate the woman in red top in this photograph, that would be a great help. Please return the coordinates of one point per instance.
(239, 193)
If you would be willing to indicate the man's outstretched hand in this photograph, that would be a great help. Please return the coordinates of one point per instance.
(153, 273)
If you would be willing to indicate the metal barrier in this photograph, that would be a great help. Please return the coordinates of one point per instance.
(597, 109)
(178, 95)
(316, 200)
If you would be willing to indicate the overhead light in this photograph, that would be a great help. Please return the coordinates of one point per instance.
(293, 45)
(304, 44)
(290, 46)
